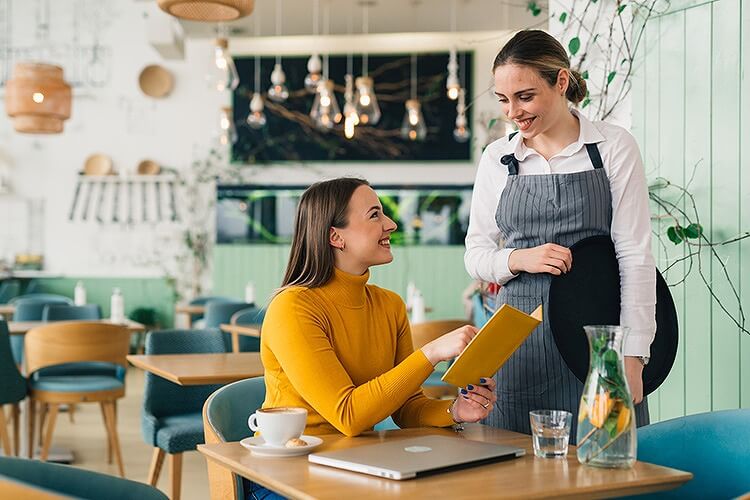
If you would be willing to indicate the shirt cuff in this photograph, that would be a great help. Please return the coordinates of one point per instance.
(637, 344)
(502, 271)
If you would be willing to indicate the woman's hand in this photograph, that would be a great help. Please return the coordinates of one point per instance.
(634, 374)
(548, 258)
(449, 345)
(475, 402)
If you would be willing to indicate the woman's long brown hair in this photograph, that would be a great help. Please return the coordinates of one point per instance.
(322, 206)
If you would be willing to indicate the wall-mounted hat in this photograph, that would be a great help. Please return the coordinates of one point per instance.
(589, 294)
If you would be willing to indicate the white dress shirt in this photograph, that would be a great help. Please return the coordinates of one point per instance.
(487, 259)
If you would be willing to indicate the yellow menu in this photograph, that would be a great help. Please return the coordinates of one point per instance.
(503, 333)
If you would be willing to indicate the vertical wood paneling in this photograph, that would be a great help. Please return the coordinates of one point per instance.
(695, 331)
(725, 197)
(698, 118)
(671, 46)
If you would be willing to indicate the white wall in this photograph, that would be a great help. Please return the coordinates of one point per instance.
(118, 120)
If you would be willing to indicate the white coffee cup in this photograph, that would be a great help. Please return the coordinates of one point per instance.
(278, 425)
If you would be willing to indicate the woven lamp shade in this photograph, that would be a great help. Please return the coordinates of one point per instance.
(37, 98)
(207, 10)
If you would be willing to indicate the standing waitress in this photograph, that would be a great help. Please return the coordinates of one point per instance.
(559, 179)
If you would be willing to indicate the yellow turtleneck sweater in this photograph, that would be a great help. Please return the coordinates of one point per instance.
(343, 351)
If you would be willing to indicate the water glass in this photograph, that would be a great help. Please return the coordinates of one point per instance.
(550, 431)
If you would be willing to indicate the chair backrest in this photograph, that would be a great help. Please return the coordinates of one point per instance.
(218, 312)
(225, 419)
(12, 383)
(59, 312)
(75, 341)
(249, 316)
(163, 398)
(33, 309)
(424, 333)
(49, 298)
(8, 290)
(713, 446)
(201, 301)
(480, 314)
(34, 480)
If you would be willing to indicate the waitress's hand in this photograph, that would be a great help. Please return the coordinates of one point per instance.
(634, 374)
(548, 258)
(475, 402)
(449, 345)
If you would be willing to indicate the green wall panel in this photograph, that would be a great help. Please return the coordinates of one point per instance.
(690, 103)
(155, 293)
(437, 271)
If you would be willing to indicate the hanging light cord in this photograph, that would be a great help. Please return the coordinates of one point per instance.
(278, 26)
(349, 56)
(414, 76)
(365, 31)
(453, 16)
(326, 29)
(316, 15)
(257, 57)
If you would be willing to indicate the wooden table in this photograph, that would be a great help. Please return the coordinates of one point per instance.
(237, 330)
(198, 369)
(190, 310)
(524, 477)
(21, 327)
(7, 310)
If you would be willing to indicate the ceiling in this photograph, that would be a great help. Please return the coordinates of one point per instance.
(385, 16)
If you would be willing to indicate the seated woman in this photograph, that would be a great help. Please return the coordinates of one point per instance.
(340, 347)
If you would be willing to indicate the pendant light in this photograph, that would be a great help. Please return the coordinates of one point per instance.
(256, 118)
(351, 119)
(462, 133)
(37, 98)
(314, 64)
(452, 85)
(365, 100)
(207, 10)
(278, 91)
(222, 74)
(413, 127)
(325, 109)
(227, 130)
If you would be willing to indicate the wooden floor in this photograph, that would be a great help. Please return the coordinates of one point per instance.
(87, 439)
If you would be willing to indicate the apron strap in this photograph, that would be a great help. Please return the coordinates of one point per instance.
(596, 158)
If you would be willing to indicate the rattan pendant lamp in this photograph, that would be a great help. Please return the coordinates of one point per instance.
(37, 98)
(207, 10)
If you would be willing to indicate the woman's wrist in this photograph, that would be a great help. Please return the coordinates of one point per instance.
(452, 412)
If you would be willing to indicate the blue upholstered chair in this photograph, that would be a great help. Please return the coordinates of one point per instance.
(60, 343)
(249, 316)
(8, 290)
(225, 419)
(480, 314)
(63, 312)
(171, 420)
(30, 479)
(31, 308)
(714, 446)
(219, 312)
(201, 301)
(12, 391)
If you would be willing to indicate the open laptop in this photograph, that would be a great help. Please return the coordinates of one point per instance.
(409, 458)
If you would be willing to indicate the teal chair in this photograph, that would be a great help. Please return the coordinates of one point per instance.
(9, 289)
(225, 419)
(13, 390)
(714, 447)
(64, 312)
(30, 479)
(202, 301)
(219, 312)
(249, 316)
(31, 308)
(171, 419)
(52, 298)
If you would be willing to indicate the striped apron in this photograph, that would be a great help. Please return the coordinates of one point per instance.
(534, 210)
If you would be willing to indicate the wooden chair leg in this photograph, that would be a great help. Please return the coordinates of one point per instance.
(109, 410)
(51, 418)
(16, 415)
(31, 420)
(109, 436)
(43, 409)
(71, 413)
(157, 460)
(175, 475)
(4, 437)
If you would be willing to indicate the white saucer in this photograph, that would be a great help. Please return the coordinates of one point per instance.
(259, 447)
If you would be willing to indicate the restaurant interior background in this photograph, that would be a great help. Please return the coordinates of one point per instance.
(687, 108)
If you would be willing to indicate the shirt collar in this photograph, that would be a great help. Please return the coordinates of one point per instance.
(588, 134)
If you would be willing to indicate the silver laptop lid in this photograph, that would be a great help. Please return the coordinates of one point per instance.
(407, 458)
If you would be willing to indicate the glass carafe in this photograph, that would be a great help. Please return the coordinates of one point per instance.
(606, 434)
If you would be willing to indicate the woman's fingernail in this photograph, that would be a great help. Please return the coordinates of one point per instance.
(482, 380)
(470, 387)
(464, 391)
